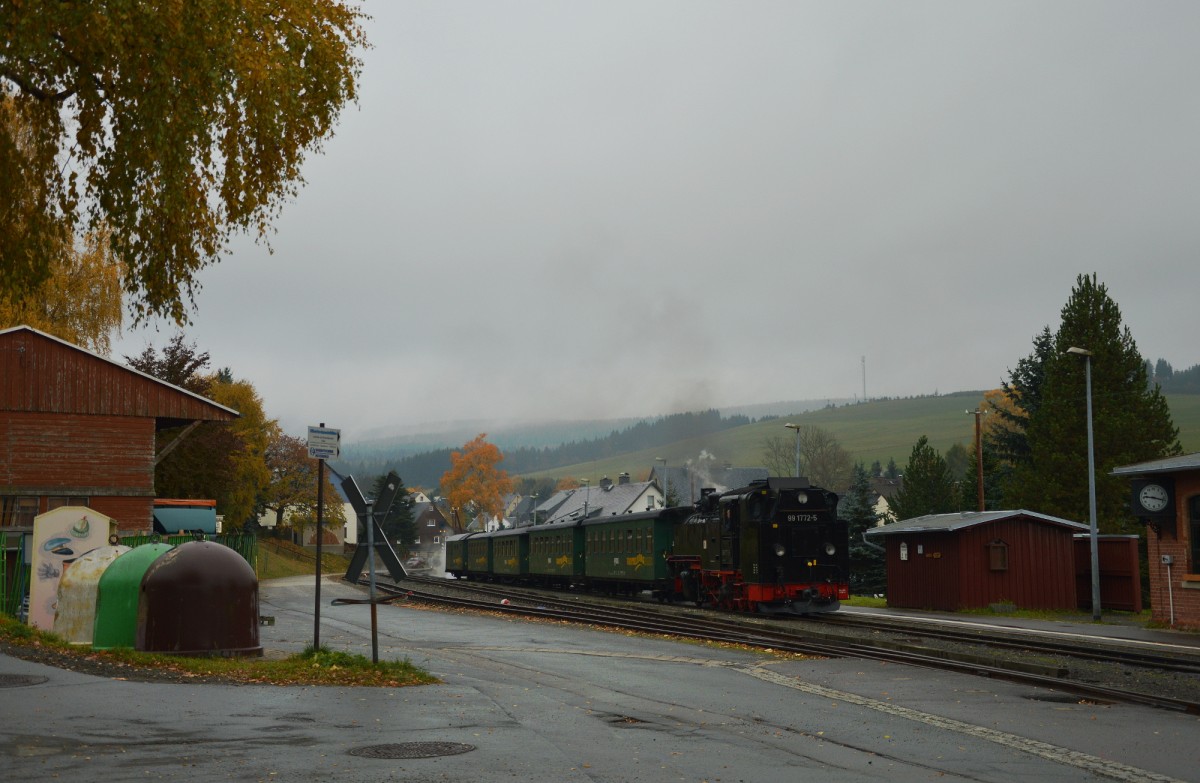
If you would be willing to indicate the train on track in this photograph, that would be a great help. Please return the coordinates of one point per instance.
(775, 546)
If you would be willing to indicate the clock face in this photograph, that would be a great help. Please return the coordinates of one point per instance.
(1153, 497)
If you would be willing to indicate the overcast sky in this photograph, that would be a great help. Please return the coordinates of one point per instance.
(598, 209)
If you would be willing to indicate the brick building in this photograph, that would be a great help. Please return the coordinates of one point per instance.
(78, 429)
(1165, 495)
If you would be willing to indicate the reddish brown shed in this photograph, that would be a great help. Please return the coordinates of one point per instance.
(974, 559)
(77, 428)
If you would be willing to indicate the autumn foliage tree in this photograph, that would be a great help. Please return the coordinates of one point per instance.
(475, 482)
(291, 493)
(79, 300)
(174, 125)
(224, 461)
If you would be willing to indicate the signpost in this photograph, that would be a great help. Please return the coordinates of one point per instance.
(323, 444)
(371, 512)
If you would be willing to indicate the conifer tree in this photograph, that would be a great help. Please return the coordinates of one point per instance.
(1130, 418)
(928, 486)
(398, 525)
(868, 571)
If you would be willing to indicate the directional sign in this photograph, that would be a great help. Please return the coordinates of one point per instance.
(324, 443)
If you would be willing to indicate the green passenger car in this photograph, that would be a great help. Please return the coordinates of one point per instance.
(556, 553)
(456, 554)
(479, 556)
(510, 552)
(629, 550)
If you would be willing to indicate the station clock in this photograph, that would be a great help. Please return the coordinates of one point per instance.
(1153, 497)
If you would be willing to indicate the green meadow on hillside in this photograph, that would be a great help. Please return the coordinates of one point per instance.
(876, 430)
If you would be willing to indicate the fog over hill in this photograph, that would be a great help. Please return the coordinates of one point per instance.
(513, 433)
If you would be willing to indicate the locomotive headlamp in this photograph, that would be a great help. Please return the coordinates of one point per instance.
(802, 498)
(779, 550)
(830, 549)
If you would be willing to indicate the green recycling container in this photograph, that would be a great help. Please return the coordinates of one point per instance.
(117, 596)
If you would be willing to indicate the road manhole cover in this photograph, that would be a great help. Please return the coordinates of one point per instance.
(18, 680)
(412, 750)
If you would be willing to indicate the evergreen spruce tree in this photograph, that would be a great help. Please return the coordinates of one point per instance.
(1130, 418)
(868, 570)
(398, 525)
(928, 486)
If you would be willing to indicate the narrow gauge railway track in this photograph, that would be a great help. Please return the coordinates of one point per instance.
(1094, 649)
(710, 628)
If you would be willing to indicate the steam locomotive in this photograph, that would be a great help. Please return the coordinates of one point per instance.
(774, 546)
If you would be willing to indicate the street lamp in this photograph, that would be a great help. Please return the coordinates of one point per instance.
(1093, 534)
(666, 489)
(533, 506)
(796, 427)
(587, 483)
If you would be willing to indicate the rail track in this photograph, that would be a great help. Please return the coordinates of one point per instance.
(1039, 662)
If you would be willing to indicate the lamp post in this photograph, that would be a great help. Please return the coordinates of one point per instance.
(587, 483)
(533, 506)
(978, 454)
(796, 427)
(666, 485)
(1093, 534)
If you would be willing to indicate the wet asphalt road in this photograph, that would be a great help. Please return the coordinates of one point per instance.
(546, 702)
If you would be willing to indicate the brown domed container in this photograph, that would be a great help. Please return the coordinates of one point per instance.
(199, 599)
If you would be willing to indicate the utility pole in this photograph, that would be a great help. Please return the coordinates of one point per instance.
(977, 413)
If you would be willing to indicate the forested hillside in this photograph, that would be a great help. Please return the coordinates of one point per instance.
(426, 468)
(877, 430)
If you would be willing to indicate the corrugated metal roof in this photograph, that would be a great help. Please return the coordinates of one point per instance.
(1164, 465)
(933, 523)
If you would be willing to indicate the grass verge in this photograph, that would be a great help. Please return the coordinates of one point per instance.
(311, 667)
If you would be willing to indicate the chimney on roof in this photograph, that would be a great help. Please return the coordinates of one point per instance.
(623, 478)
(606, 483)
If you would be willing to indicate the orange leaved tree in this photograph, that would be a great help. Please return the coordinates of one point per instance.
(475, 481)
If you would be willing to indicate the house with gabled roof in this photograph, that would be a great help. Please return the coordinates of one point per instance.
(605, 499)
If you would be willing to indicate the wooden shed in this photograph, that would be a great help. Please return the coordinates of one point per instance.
(78, 429)
(974, 559)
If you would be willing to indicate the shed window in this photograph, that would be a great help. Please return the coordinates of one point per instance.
(58, 502)
(997, 556)
(18, 512)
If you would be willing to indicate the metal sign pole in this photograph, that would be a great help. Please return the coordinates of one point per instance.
(371, 580)
(320, 519)
(322, 443)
